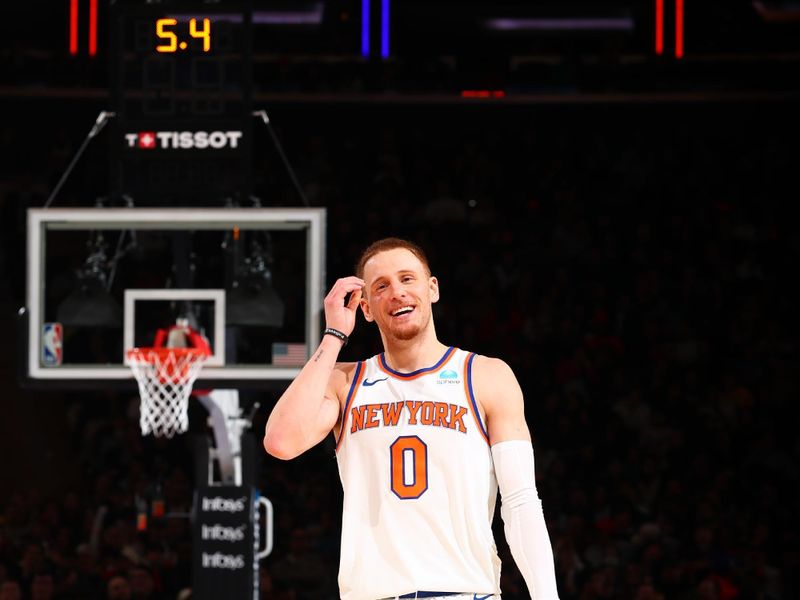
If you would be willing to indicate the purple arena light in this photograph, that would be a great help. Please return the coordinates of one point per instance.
(384, 29)
(365, 28)
(312, 16)
(568, 24)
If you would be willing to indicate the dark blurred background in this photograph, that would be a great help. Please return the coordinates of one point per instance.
(607, 208)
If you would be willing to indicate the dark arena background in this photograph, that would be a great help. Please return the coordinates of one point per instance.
(605, 192)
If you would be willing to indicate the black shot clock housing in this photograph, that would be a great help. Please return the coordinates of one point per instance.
(181, 88)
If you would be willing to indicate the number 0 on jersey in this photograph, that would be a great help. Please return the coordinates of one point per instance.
(409, 462)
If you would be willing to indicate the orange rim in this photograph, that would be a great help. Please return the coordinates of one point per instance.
(161, 352)
(173, 371)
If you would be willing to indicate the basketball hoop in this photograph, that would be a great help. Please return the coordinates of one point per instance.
(165, 377)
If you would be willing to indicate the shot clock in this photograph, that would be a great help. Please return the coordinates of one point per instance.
(179, 59)
(181, 76)
(165, 30)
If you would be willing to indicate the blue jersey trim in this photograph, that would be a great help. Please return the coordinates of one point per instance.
(440, 362)
(472, 396)
(350, 394)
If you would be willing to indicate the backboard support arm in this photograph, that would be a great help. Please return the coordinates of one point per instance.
(99, 123)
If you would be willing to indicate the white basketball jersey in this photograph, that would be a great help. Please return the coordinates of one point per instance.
(419, 483)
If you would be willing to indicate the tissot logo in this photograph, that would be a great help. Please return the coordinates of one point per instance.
(183, 140)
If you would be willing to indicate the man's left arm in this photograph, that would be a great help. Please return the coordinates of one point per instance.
(498, 393)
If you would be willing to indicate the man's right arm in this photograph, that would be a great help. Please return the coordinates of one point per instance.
(309, 408)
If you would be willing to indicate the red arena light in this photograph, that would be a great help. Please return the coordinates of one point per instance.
(483, 94)
(73, 27)
(92, 27)
(659, 27)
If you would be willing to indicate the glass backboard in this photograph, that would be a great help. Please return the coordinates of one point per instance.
(101, 280)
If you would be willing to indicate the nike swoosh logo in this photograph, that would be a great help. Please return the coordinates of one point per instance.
(476, 597)
(369, 383)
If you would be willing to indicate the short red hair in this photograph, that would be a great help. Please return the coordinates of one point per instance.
(390, 244)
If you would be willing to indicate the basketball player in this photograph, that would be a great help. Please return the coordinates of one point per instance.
(424, 435)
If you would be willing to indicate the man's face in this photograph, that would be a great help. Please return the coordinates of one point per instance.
(118, 589)
(10, 590)
(398, 293)
(42, 587)
(140, 582)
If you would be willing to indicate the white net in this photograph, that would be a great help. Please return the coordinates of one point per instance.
(165, 377)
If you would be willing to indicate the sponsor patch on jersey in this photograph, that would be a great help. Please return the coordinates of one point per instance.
(448, 376)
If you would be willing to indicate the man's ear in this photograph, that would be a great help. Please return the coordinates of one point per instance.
(434, 287)
(365, 309)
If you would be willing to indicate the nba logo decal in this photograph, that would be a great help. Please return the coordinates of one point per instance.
(52, 336)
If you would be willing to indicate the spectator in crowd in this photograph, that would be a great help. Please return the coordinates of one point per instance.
(118, 588)
(10, 590)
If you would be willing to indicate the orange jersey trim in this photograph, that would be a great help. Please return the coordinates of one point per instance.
(351, 394)
(419, 372)
(471, 395)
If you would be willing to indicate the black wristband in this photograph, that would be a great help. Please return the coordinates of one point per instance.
(337, 334)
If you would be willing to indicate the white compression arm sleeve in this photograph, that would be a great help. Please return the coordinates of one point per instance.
(521, 509)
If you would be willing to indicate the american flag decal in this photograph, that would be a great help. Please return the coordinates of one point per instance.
(289, 355)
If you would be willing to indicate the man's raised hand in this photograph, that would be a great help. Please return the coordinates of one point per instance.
(339, 315)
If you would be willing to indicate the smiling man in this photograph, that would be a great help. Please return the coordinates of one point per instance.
(425, 433)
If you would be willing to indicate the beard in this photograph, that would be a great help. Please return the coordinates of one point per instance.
(405, 333)
(408, 331)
